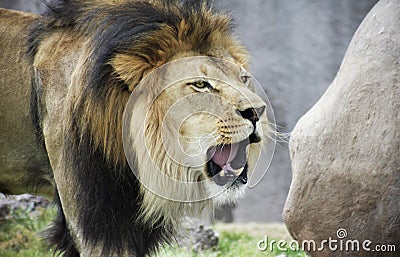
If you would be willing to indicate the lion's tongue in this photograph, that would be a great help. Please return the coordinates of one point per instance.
(225, 154)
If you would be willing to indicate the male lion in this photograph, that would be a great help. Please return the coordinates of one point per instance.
(66, 81)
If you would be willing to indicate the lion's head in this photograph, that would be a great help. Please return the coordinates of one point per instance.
(198, 133)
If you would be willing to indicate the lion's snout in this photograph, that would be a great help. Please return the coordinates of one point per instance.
(252, 114)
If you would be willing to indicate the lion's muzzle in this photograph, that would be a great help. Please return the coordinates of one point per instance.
(228, 162)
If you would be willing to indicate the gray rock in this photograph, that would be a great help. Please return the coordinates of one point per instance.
(204, 239)
(26, 203)
(196, 237)
(346, 150)
(4, 210)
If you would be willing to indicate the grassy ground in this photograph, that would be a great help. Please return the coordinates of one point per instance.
(231, 244)
(20, 237)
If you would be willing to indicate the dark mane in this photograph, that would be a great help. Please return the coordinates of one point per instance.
(130, 28)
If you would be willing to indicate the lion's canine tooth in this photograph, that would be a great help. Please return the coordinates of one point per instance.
(222, 173)
(238, 172)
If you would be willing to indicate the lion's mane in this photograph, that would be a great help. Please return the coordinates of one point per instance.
(122, 42)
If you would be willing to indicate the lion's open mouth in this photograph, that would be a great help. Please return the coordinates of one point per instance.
(228, 163)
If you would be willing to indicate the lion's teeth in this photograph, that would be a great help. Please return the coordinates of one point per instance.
(228, 171)
(238, 172)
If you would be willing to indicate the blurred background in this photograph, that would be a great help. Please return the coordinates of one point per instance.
(296, 47)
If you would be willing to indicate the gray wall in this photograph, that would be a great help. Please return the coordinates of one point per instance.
(297, 47)
(34, 6)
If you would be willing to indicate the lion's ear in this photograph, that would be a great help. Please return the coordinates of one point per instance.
(130, 68)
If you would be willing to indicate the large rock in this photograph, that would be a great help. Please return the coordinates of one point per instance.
(346, 150)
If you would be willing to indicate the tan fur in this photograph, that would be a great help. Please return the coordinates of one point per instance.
(22, 161)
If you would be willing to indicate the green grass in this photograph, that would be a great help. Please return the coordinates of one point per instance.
(231, 244)
(21, 237)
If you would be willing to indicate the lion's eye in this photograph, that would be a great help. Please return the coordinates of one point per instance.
(245, 76)
(201, 85)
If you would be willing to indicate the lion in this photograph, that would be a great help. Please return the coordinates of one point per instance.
(86, 116)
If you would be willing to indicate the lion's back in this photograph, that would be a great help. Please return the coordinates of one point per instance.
(22, 156)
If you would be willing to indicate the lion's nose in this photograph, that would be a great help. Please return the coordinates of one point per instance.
(252, 114)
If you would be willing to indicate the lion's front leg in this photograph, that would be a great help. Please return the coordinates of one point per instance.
(63, 233)
(67, 232)
(99, 202)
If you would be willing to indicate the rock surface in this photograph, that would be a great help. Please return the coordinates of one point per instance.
(346, 150)
(204, 239)
(195, 236)
(26, 203)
